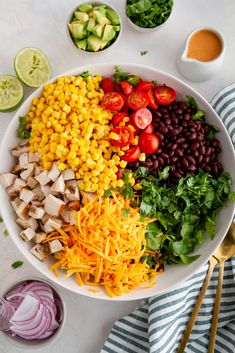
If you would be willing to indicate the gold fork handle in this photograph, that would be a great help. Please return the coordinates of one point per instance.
(192, 320)
(216, 308)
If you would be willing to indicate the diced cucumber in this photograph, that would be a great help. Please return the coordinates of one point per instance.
(100, 18)
(103, 44)
(82, 44)
(85, 7)
(109, 33)
(91, 24)
(81, 16)
(116, 28)
(98, 30)
(76, 29)
(94, 42)
(100, 8)
(113, 16)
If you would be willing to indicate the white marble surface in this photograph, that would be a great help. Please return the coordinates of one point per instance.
(43, 24)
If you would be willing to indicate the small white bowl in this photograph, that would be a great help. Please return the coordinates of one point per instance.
(35, 344)
(146, 30)
(94, 3)
(195, 70)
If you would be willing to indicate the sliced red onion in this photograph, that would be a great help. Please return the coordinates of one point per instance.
(6, 312)
(39, 288)
(26, 310)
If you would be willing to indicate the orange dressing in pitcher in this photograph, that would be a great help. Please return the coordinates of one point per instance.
(204, 45)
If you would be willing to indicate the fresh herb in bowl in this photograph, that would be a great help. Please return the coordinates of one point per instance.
(148, 13)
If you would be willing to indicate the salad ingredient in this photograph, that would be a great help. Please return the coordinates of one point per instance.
(32, 67)
(119, 117)
(106, 85)
(145, 85)
(148, 143)
(69, 126)
(109, 243)
(142, 118)
(132, 154)
(112, 101)
(34, 310)
(143, 52)
(152, 101)
(23, 132)
(183, 212)
(137, 100)
(149, 129)
(120, 75)
(16, 264)
(165, 95)
(148, 13)
(121, 136)
(11, 93)
(127, 87)
(94, 29)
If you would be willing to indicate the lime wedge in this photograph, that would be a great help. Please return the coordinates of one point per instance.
(11, 92)
(32, 67)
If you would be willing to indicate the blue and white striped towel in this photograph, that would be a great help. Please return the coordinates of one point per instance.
(158, 324)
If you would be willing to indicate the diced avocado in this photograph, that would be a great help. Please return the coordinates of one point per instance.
(98, 30)
(81, 44)
(100, 18)
(85, 7)
(116, 28)
(113, 16)
(76, 29)
(81, 16)
(100, 8)
(109, 33)
(91, 24)
(94, 42)
(103, 44)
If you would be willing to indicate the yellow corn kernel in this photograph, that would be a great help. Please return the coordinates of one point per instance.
(142, 157)
(135, 141)
(62, 166)
(126, 119)
(137, 186)
(121, 153)
(131, 127)
(67, 109)
(120, 183)
(114, 136)
(131, 181)
(123, 164)
(126, 148)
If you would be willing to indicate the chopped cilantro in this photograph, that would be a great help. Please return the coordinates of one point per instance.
(213, 130)
(85, 74)
(143, 52)
(17, 264)
(5, 233)
(126, 212)
(108, 193)
(1, 220)
(23, 132)
(125, 76)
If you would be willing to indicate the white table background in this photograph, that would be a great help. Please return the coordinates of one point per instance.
(43, 24)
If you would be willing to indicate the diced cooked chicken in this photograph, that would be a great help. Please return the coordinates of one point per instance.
(38, 170)
(15, 203)
(36, 203)
(90, 195)
(33, 157)
(36, 212)
(31, 182)
(55, 246)
(26, 195)
(51, 224)
(22, 210)
(38, 194)
(71, 218)
(17, 151)
(53, 205)
(65, 199)
(39, 237)
(46, 190)
(27, 172)
(45, 218)
(54, 173)
(65, 215)
(27, 234)
(68, 174)
(7, 179)
(39, 251)
(27, 223)
(23, 142)
(24, 160)
(72, 193)
(16, 169)
(43, 178)
(58, 185)
(71, 183)
(75, 205)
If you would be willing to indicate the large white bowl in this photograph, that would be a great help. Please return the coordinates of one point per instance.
(173, 274)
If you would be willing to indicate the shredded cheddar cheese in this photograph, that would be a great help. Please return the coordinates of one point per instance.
(105, 246)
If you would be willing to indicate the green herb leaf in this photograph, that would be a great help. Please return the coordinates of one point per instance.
(149, 260)
(126, 212)
(142, 171)
(127, 191)
(120, 75)
(1, 219)
(23, 132)
(85, 74)
(17, 264)
(231, 196)
(162, 175)
(198, 115)
(213, 130)
(5, 233)
(108, 193)
(189, 259)
(143, 52)
(191, 102)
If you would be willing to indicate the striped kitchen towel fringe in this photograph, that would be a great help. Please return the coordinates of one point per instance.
(157, 325)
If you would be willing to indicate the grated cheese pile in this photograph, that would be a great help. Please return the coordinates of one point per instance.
(105, 247)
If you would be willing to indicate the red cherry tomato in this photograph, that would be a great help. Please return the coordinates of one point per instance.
(116, 88)
(132, 154)
(112, 101)
(149, 129)
(120, 173)
(164, 95)
(142, 86)
(127, 87)
(125, 136)
(107, 85)
(152, 101)
(148, 143)
(137, 100)
(118, 118)
(125, 106)
(142, 118)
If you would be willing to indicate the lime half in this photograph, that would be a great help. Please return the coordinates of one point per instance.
(32, 67)
(11, 92)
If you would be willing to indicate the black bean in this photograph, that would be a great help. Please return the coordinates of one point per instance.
(164, 155)
(207, 159)
(174, 159)
(195, 146)
(187, 117)
(191, 160)
(185, 162)
(177, 175)
(207, 168)
(192, 168)
(200, 158)
(166, 116)
(184, 145)
(171, 153)
(163, 110)
(136, 164)
(179, 152)
(182, 105)
(208, 151)
(148, 164)
(153, 157)
(155, 164)
(180, 140)
(179, 111)
(170, 127)
(193, 136)
(158, 114)
(196, 153)
(163, 130)
(174, 146)
(167, 121)
(160, 136)
(175, 120)
(202, 150)
(160, 161)
(174, 132)
(202, 165)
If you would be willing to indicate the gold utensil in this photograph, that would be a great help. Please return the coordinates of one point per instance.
(212, 263)
(223, 253)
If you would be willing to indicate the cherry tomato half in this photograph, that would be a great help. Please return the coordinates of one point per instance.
(120, 173)
(118, 118)
(148, 143)
(152, 101)
(127, 87)
(125, 106)
(125, 136)
(116, 88)
(164, 95)
(107, 85)
(137, 100)
(149, 129)
(142, 118)
(112, 101)
(142, 86)
(132, 154)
